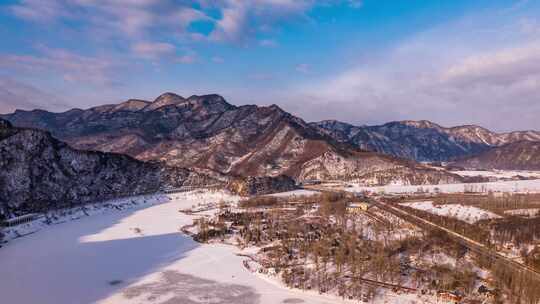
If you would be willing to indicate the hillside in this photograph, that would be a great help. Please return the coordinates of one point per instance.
(39, 173)
(522, 155)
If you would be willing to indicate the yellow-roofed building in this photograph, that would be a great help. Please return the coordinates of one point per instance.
(358, 207)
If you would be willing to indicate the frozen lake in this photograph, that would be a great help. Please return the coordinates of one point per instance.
(133, 256)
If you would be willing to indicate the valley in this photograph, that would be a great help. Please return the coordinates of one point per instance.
(252, 250)
(269, 152)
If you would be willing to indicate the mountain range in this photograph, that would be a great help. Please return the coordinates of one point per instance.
(207, 133)
(423, 140)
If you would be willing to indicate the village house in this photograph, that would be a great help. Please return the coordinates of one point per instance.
(448, 297)
(355, 208)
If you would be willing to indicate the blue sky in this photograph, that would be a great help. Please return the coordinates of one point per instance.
(365, 62)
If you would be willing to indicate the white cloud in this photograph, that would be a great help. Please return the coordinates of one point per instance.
(38, 10)
(161, 51)
(241, 19)
(136, 17)
(455, 74)
(232, 23)
(153, 50)
(134, 20)
(498, 68)
(139, 19)
(67, 65)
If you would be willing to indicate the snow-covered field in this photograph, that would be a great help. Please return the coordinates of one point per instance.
(468, 214)
(500, 186)
(136, 255)
(300, 192)
(499, 173)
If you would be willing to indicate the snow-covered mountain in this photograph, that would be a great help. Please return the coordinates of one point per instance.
(206, 132)
(422, 140)
(522, 155)
(39, 172)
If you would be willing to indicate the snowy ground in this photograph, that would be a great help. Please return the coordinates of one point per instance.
(499, 173)
(300, 192)
(500, 186)
(136, 255)
(468, 214)
(69, 214)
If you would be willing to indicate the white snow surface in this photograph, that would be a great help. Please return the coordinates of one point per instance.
(69, 214)
(532, 186)
(499, 173)
(469, 214)
(137, 255)
(293, 193)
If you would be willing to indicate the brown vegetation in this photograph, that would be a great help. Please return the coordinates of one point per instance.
(314, 243)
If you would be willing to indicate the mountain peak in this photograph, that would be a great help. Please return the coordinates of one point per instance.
(470, 128)
(212, 102)
(424, 124)
(165, 99)
(205, 96)
(275, 107)
(131, 105)
(169, 96)
(207, 99)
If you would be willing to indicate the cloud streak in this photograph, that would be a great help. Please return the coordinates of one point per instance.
(501, 68)
(237, 19)
(67, 65)
(18, 95)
